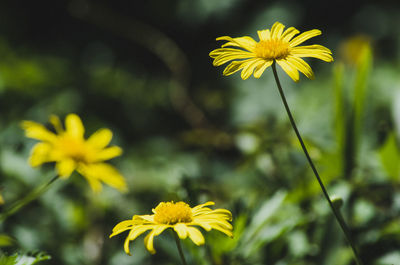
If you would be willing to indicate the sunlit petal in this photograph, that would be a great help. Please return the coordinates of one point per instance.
(291, 71)
(195, 235)
(276, 30)
(304, 36)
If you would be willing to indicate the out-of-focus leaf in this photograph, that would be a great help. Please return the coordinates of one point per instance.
(390, 258)
(1, 200)
(5, 241)
(7, 260)
(23, 259)
(256, 234)
(342, 256)
(298, 243)
(340, 113)
(390, 156)
(360, 88)
(31, 259)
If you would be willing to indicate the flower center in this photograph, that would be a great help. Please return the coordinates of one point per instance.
(74, 148)
(172, 213)
(272, 49)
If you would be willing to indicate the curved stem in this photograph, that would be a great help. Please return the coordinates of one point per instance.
(335, 211)
(27, 199)
(178, 245)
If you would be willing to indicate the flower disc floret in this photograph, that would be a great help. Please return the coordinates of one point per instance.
(172, 213)
(272, 49)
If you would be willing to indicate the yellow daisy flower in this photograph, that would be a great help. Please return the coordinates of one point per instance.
(69, 149)
(181, 218)
(275, 45)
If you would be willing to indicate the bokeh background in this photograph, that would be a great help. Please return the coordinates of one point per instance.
(141, 68)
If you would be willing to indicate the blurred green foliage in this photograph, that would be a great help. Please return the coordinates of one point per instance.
(188, 133)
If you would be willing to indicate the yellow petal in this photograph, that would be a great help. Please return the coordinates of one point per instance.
(301, 65)
(94, 184)
(245, 42)
(261, 68)
(196, 236)
(315, 51)
(304, 36)
(38, 131)
(65, 167)
(181, 230)
(100, 138)
(55, 121)
(233, 67)
(148, 240)
(40, 154)
(289, 33)
(276, 30)
(108, 153)
(226, 229)
(264, 34)
(292, 72)
(227, 54)
(134, 233)
(126, 244)
(74, 126)
(122, 226)
(106, 173)
(197, 209)
(249, 67)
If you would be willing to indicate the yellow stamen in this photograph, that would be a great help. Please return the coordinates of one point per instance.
(172, 213)
(272, 49)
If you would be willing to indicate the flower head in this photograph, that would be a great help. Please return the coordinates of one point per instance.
(180, 217)
(275, 45)
(71, 151)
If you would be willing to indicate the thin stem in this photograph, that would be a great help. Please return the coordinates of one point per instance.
(178, 245)
(27, 199)
(335, 211)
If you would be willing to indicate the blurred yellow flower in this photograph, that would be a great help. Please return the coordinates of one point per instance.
(1, 200)
(181, 218)
(275, 45)
(352, 49)
(69, 149)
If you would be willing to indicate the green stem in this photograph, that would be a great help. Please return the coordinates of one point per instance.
(335, 211)
(27, 199)
(178, 245)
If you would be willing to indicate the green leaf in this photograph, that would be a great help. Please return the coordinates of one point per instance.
(390, 156)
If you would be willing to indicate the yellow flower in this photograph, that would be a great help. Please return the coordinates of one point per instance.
(275, 45)
(1, 200)
(181, 218)
(69, 149)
